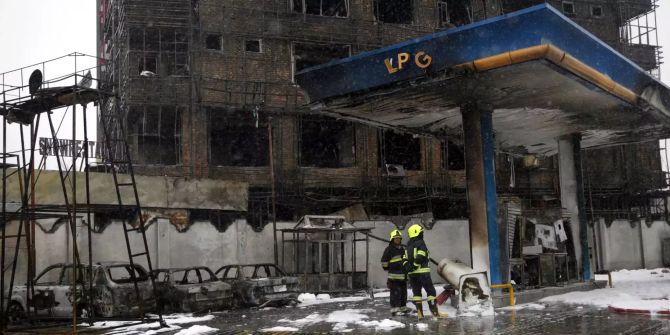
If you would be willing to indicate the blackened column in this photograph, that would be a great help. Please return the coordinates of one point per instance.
(481, 185)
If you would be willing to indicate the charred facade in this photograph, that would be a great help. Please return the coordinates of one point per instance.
(207, 84)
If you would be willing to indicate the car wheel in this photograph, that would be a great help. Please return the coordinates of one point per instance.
(15, 313)
(105, 302)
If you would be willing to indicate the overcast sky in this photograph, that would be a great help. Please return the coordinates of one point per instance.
(32, 31)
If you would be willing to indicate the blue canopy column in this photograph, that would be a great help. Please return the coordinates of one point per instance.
(481, 187)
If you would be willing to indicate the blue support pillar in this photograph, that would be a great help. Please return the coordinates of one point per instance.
(481, 186)
(491, 198)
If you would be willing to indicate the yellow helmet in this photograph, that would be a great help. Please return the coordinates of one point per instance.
(395, 233)
(414, 230)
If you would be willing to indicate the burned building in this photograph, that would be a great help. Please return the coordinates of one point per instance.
(208, 91)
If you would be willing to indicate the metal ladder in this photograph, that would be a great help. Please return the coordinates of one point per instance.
(118, 157)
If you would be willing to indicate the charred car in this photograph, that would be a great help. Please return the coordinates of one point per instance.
(260, 284)
(113, 293)
(192, 289)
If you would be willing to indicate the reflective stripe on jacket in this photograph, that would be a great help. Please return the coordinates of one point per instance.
(417, 257)
(392, 261)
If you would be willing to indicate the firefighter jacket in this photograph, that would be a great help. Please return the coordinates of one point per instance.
(417, 256)
(392, 261)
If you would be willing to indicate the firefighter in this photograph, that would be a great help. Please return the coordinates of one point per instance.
(392, 261)
(416, 265)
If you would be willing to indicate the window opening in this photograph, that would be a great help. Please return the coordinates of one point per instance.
(214, 42)
(122, 274)
(338, 8)
(453, 156)
(231, 273)
(50, 276)
(207, 276)
(509, 6)
(394, 11)
(306, 55)
(400, 149)
(454, 13)
(252, 46)
(568, 7)
(161, 51)
(157, 131)
(327, 142)
(237, 139)
(596, 11)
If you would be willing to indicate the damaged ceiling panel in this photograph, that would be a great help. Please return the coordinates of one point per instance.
(153, 191)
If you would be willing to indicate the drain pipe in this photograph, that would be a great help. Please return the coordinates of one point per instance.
(640, 223)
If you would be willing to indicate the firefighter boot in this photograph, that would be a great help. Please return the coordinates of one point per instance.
(419, 309)
(432, 305)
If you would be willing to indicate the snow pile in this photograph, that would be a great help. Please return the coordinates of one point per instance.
(197, 329)
(422, 327)
(279, 329)
(342, 319)
(533, 306)
(633, 289)
(309, 299)
(132, 327)
(356, 316)
(309, 320)
(482, 309)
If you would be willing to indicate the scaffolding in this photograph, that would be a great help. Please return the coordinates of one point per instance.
(639, 35)
(36, 94)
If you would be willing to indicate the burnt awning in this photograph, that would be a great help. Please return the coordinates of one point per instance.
(542, 75)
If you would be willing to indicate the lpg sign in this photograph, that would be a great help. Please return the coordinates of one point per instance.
(421, 60)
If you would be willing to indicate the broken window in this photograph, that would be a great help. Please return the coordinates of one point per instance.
(238, 138)
(161, 51)
(50, 276)
(307, 55)
(157, 132)
(454, 13)
(230, 273)
(568, 7)
(214, 42)
(596, 11)
(326, 142)
(252, 46)
(339, 8)
(399, 149)
(453, 156)
(394, 11)
(123, 274)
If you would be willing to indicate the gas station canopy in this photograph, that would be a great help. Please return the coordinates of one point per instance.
(541, 74)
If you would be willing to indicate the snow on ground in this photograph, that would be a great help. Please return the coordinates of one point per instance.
(482, 309)
(309, 299)
(196, 330)
(421, 327)
(173, 321)
(532, 306)
(279, 329)
(342, 319)
(633, 289)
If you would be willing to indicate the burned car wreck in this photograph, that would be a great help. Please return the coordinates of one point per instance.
(192, 289)
(260, 284)
(113, 292)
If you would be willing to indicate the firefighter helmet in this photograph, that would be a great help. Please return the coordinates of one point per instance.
(414, 230)
(395, 233)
